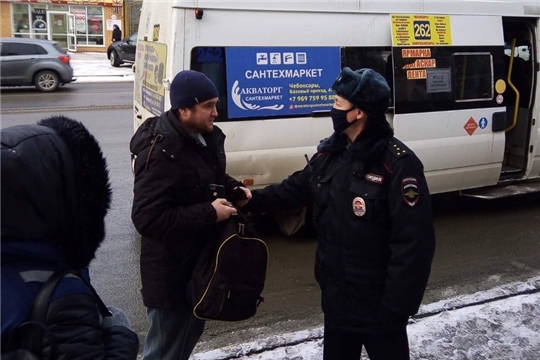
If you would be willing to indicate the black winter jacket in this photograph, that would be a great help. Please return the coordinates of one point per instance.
(372, 212)
(117, 35)
(172, 207)
(73, 318)
(55, 194)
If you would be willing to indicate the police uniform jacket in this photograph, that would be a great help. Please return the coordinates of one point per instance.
(373, 217)
(172, 207)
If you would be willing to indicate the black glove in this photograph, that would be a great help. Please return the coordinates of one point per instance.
(237, 195)
(392, 321)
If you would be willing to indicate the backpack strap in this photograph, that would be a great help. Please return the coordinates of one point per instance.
(41, 303)
(43, 299)
(31, 331)
(103, 310)
(29, 334)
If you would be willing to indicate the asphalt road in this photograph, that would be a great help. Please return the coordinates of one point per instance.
(480, 244)
(73, 96)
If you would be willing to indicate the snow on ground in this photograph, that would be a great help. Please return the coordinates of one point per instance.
(499, 324)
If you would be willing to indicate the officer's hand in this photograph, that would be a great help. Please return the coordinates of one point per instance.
(244, 198)
(392, 321)
(223, 208)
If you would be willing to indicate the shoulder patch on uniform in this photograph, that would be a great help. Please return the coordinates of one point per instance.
(410, 191)
(397, 148)
(375, 178)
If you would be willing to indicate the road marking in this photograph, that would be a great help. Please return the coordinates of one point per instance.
(66, 109)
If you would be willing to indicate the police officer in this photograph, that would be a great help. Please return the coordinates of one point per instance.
(373, 216)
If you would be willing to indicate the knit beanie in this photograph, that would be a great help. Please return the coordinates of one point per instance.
(189, 88)
(365, 89)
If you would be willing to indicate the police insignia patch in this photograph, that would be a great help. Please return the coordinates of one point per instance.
(409, 189)
(359, 206)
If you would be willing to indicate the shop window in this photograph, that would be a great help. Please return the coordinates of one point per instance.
(95, 10)
(30, 20)
(81, 29)
(21, 20)
(95, 25)
(88, 24)
(38, 21)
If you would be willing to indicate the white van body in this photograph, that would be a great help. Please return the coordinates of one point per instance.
(466, 124)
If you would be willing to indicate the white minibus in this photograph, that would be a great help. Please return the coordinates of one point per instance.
(464, 79)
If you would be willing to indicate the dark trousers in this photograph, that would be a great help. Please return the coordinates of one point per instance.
(342, 345)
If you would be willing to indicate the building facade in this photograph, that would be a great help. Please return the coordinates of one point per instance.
(77, 25)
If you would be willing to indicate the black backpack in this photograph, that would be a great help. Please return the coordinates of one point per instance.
(229, 275)
(26, 340)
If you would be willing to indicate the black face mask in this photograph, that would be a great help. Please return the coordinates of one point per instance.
(339, 119)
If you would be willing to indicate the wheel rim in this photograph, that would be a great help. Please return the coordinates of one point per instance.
(113, 58)
(47, 81)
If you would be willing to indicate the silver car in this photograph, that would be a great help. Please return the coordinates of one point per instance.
(41, 63)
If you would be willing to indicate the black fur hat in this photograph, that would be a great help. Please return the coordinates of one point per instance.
(93, 190)
(365, 89)
(55, 187)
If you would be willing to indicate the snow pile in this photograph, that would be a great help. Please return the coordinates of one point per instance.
(472, 327)
(505, 329)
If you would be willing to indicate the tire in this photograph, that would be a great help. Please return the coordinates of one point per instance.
(46, 80)
(115, 60)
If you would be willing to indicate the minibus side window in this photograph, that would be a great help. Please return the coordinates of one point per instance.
(376, 58)
(211, 62)
(473, 77)
(445, 78)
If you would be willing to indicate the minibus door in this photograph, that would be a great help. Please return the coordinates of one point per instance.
(521, 76)
(448, 83)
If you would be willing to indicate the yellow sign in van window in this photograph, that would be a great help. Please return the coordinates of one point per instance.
(421, 30)
(149, 75)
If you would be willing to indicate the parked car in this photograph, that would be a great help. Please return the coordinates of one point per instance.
(120, 52)
(26, 62)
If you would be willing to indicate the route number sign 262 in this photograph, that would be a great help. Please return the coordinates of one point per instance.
(422, 30)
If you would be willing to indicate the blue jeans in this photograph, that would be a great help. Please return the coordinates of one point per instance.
(172, 335)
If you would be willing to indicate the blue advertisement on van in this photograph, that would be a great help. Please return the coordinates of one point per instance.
(280, 81)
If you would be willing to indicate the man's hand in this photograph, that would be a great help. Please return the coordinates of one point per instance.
(224, 209)
(244, 199)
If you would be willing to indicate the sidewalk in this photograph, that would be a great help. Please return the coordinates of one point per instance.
(499, 324)
(95, 67)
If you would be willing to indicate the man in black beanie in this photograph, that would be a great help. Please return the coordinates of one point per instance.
(372, 212)
(181, 191)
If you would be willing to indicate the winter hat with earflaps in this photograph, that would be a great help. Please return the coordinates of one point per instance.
(365, 89)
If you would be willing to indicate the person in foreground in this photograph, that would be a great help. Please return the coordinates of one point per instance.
(180, 194)
(55, 195)
(372, 212)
